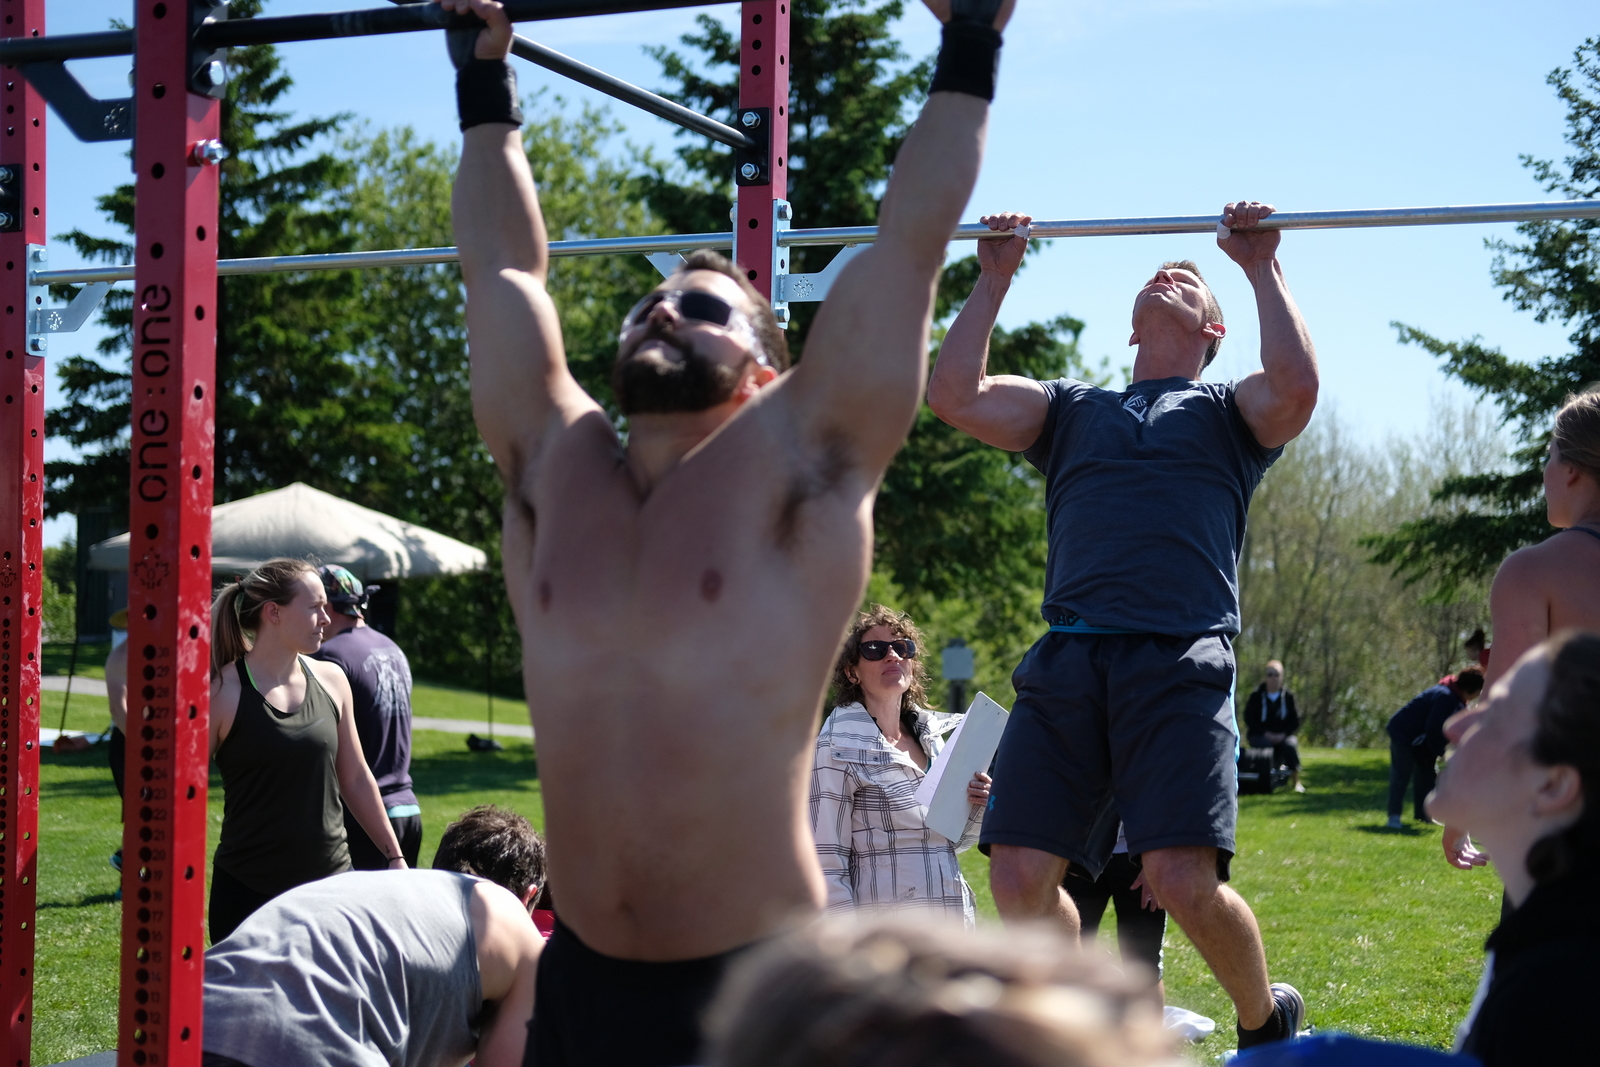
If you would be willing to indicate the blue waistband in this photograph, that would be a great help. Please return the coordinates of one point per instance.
(401, 811)
(1074, 624)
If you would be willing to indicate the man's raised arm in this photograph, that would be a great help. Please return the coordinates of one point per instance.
(1276, 401)
(1003, 410)
(866, 357)
(520, 380)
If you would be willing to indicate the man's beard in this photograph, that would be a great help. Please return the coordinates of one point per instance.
(653, 383)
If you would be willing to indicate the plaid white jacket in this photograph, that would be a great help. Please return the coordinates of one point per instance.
(872, 836)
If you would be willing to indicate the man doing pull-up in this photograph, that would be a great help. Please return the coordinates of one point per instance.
(675, 708)
(1123, 707)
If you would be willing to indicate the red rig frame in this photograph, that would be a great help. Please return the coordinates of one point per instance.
(170, 496)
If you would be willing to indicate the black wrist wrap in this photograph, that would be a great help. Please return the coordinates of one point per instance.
(486, 91)
(969, 57)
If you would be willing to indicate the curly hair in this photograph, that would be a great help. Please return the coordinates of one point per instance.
(900, 624)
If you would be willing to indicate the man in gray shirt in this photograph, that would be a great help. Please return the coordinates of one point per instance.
(406, 968)
(1124, 706)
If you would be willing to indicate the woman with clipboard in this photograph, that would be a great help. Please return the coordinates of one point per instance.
(873, 840)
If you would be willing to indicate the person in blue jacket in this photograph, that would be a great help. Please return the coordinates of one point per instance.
(1416, 739)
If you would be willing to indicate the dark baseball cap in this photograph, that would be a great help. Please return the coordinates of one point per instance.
(346, 594)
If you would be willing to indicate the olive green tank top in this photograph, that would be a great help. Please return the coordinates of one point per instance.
(282, 818)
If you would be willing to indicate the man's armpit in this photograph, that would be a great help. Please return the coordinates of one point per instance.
(824, 473)
(517, 502)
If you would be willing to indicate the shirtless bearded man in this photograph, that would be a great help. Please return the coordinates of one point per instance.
(675, 708)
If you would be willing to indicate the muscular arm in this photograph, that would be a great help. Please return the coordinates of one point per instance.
(1003, 410)
(1276, 401)
(520, 381)
(866, 357)
(1520, 611)
(508, 960)
(356, 784)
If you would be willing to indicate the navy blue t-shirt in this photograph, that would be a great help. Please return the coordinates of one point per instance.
(1147, 491)
(380, 682)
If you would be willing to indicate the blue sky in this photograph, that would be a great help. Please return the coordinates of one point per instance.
(1107, 108)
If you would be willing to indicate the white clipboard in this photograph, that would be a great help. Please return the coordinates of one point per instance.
(943, 791)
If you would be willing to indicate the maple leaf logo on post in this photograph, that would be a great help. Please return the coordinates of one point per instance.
(151, 570)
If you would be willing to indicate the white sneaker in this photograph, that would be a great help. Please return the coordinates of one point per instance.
(1395, 823)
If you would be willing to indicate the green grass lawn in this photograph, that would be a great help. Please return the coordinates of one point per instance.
(1382, 937)
(1379, 934)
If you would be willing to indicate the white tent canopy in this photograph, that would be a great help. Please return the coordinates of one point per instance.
(300, 522)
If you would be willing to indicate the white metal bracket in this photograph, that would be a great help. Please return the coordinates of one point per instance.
(802, 287)
(782, 219)
(43, 321)
(665, 262)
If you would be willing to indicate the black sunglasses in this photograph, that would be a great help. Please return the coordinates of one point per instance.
(691, 304)
(876, 650)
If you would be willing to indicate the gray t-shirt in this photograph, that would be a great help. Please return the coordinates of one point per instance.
(1147, 491)
(366, 969)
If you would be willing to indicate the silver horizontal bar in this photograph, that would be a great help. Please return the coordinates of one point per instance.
(404, 257)
(1282, 220)
(847, 235)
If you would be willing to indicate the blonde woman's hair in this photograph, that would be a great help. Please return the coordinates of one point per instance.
(236, 612)
(875, 991)
(1577, 431)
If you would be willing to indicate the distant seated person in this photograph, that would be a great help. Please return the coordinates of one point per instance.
(923, 992)
(1416, 739)
(1526, 761)
(1271, 720)
(413, 968)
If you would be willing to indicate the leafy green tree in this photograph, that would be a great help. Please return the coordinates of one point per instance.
(457, 627)
(288, 407)
(850, 96)
(1554, 273)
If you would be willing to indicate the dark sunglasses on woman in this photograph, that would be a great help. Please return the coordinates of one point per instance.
(876, 650)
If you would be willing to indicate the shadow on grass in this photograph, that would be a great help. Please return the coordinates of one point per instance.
(473, 772)
(1332, 788)
(1385, 830)
(92, 898)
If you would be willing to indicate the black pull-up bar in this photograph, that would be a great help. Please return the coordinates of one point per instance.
(232, 33)
(644, 99)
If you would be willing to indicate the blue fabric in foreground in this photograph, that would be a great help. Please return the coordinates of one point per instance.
(1342, 1050)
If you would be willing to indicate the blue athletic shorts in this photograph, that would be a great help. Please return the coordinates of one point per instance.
(1136, 725)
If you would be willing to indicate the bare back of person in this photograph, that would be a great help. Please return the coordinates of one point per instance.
(681, 598)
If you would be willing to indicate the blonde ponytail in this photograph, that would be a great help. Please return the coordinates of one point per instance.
(236, 612)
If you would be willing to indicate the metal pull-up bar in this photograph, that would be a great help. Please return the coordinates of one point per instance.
(849, 235)
(236, 33)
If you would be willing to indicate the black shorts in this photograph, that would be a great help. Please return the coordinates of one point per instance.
(600, 1011)
(1136, 724)
(367, 856)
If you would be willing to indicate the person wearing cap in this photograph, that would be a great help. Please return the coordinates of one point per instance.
(380, 682)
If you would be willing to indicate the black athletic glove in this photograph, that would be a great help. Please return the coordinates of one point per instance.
(460, 44)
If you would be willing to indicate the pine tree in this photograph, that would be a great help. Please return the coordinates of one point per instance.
(289, 407)
(1555, 274)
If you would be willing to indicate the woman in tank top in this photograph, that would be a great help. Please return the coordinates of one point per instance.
(1554, 585)
(285, 742)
